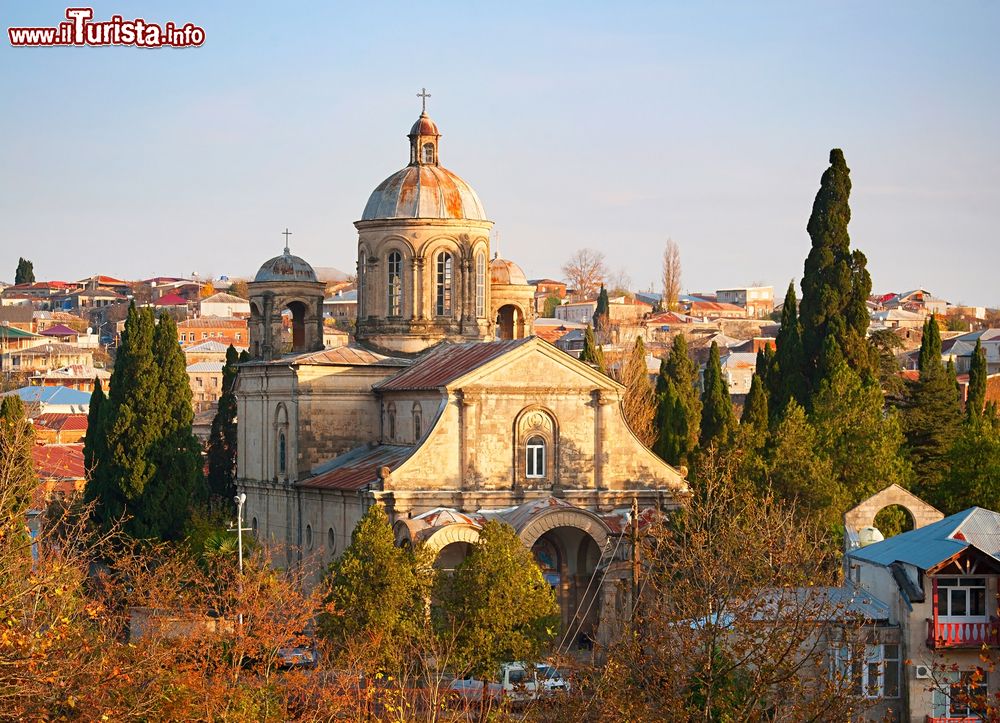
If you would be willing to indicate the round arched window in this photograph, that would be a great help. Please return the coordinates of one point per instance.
(331, 541)
(534, 463)
(253, 527)
(309, 537)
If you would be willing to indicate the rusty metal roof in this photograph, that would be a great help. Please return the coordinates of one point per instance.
(358, 468)
(503, 271)
(424, 126)
(349, 355)
(447, 363)
(285, 268)
(424, 191)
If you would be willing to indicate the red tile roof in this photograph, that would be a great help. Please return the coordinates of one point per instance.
(359, 468)
(448, 363)
(60, 422)
(551, 334)
(58, 461)
(212, 322)
(170, 300)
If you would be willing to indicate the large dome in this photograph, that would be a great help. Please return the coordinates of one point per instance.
(424, 191)
(285, 268)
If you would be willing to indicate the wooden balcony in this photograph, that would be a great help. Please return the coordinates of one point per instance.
(941, 634)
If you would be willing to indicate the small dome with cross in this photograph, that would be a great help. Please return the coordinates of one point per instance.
(285, 268)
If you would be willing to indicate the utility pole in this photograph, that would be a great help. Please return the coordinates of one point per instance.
(635, 555)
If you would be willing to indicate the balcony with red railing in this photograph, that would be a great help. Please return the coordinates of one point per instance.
(954, 719)
(975, 634)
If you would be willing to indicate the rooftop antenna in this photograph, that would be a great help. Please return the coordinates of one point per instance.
(286, 233)
(423, 95)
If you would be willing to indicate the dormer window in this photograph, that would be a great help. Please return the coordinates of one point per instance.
(428, 153)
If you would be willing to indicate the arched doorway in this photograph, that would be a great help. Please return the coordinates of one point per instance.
(298, 312)
(451, 556)
(510, 323)
(568, 558)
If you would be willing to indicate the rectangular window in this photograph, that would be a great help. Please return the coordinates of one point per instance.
(871, 671)
(961, 597)
(960, 694)
(394, 268)
(481, 285)
(534, 466)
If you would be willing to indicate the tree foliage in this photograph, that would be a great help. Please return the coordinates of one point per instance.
(931, 417)
(375, 590)
(835, 283)
(585, 271)
(17, 478)
(497, 603)
(222, 438)
(671, 275)
(638, 400)
(786, 376)
(678, 407)
(976, 400)
(25, 273)
(718, 420)
(974, 466)
(602, 313)
(591, 352)
(145, 461)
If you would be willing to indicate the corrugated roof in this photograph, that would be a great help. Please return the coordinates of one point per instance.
(448, 362)
(52, 347)
(223, 298)
(358, 468)
(58, 461)
(12, 332)
(60, 330)
(214, 367)
(348, 355)
(60, 422)
(171, 300)
(52, 395)
(928, 546)
(213, 322)
(210, 346)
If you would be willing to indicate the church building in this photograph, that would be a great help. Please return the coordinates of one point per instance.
(446, 409)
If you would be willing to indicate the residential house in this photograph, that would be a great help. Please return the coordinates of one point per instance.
(224, 305)
(897, 318)
(711, 310)
(342, 307)
(51, 428)
(61, 476)
(939, 582)
(223, 330)
(57, 400)
(61, 333)
(918, 300)
(958, 349)
(581, 312)
(45, 357)
(19, 316)
(757, 302)
(75, 377)
(552, 330)
(207, 351)
(206, 384)
(544, 288)
(106, 282)
(89, 299)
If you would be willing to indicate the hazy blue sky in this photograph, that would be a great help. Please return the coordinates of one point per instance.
(612, 125)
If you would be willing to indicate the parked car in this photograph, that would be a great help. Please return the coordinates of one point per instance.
(515, 681)
(550, 680)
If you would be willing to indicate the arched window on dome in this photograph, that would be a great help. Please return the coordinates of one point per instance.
(394, 269)
(442, 286)
(362, 263)
(480, 285)
(428, 153)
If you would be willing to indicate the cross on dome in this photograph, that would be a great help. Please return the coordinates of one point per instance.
(286, 233)
(423, 95)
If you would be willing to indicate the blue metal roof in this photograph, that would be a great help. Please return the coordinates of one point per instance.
(52, 395)
(931, 545)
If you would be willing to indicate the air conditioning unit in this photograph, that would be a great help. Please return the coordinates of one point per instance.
(922, 672)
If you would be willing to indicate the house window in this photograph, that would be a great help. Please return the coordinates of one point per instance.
(418, 426)
(960, 695)
(961, 597)
(428, 153)
(442, 304)
(534, 465)
(282, 453)
(869, 671)
(480, 284)
(394, 267)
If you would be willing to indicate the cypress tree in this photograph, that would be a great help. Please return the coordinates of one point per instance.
(976, 400)
(602, 311)
(836, 283)
(177, 483)
(591, 353)
(25, 273)
(718, 421)
(678, 415)
(786, 376)
(93, 441)
(931, 416)
(755, 412)
(222, 441)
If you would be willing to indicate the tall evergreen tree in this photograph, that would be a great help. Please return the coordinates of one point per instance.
(93, 441)
(786, 376)
(25, 273)
(836, 283)
(755, 413)
(222, 440)
(678, 415)
(864, 443)
(718, 420)
(602, 311)
(976, 400)
(591, 353)
(974, 466)
(147, 463)
(931, 416)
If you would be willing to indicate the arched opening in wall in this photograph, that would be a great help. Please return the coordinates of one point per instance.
(394, 287)
(298, 322)
(451, 556)
(893, 519)
(256, 328)
(508, 321)
(443, 284)
(568, 558)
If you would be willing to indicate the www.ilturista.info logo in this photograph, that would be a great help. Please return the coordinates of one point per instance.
(81, 30)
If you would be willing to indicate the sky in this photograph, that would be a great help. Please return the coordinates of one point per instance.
(611, 126)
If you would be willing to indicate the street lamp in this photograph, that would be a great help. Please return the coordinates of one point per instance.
(240, 499)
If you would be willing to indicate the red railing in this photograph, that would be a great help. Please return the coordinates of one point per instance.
(942, 634)
(954, 719)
